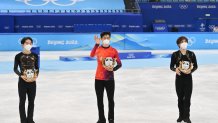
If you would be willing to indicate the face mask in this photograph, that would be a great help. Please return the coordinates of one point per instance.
(28, 47)
(184, 46)
(106, 41)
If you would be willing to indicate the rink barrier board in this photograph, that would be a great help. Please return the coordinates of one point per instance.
(123, 56)
(120, 41)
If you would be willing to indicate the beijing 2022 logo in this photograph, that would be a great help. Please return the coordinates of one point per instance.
(45, 2)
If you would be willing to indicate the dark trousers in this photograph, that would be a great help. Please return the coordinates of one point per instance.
(109, 85)
(184, 92)
(28, 89)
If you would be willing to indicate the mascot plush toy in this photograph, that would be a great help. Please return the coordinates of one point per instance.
(108, 61)
(30, 74)
(185, 66)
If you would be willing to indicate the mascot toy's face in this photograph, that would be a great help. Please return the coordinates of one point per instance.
(29, 73)
(185, 65)
(108, 61)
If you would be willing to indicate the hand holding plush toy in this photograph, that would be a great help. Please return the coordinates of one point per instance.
(30, 75)
(185, 67)
(109, 63)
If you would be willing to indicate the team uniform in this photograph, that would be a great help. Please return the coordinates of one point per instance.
(104, 79)
(184, 81)
(28, 64)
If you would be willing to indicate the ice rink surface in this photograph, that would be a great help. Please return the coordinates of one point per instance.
(145, 90)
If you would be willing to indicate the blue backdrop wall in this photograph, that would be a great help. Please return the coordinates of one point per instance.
(121, 41)
(21, 23)
(185, 16)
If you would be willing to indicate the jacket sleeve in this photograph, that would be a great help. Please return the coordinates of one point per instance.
(16, 63)
(173, 62)
(37, 64)
(119, 63)
(92, 54)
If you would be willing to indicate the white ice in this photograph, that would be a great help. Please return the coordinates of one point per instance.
(142, 95)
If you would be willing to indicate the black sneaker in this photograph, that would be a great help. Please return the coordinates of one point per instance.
(179, 120)
(99, 121)
(187, 120)
(111, 121)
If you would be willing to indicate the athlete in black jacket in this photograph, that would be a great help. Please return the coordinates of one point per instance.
(28, 73)
(184, 63)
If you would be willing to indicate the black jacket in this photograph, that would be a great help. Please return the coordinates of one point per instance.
(176, 56)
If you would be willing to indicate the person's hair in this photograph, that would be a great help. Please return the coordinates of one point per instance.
(180, 39)
(23, 40)
(105, 33)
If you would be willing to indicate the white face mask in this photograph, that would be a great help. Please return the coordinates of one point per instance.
(28, 47)
(106, 42)
(184, 45)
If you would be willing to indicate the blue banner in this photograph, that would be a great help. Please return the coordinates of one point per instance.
(123, 56)
(167, 41)
(65, 22)
(121, 41)
(6, 24)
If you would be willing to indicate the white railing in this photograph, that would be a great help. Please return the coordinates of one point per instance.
(68, 11)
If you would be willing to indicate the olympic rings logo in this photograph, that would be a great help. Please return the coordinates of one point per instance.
(55, 2)
(34, 41)
(191, 41)
(211, 27)
(160, 28)
(183, 6)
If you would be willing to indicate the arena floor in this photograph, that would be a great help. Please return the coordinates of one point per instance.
(145, 90)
